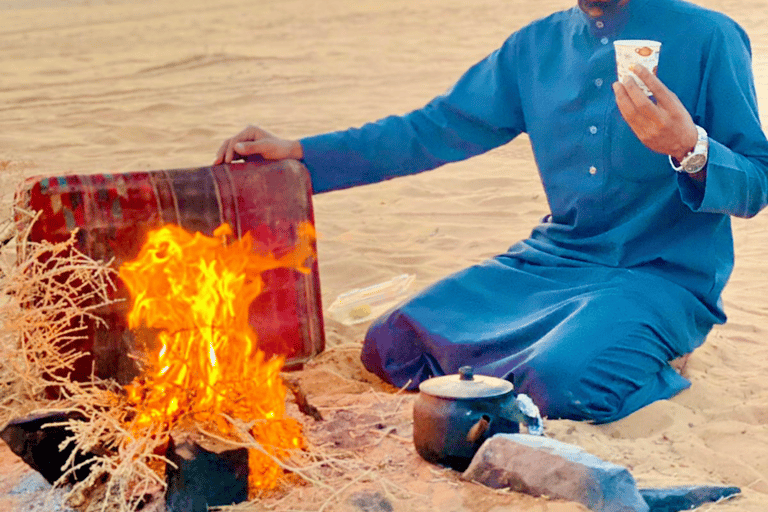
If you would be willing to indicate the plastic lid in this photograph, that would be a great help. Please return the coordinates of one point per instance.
(465, 385)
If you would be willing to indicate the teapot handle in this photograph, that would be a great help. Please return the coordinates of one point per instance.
(478, 430)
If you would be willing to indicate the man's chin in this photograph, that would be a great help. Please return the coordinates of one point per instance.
(599, 7)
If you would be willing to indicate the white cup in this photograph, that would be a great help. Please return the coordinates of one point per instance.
(636, 51)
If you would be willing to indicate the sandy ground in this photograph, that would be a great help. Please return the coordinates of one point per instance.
(105, 86)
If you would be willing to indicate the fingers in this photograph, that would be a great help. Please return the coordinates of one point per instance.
(220, 154)
(229, 155)
(664, 97)
(225, 154)
(623, 100)
(244, 149)
(255, 141)
(633, 103)
(250, 133)
(664, 126)
(228, 152)
(638, 96)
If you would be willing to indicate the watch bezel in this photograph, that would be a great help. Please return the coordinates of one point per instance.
(694, 163)
(697, 158)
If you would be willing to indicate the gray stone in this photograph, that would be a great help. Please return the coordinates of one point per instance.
(540, 466)
(33, 482)
(38, 440)
(368, 501)
(200, 478)
(688, 497)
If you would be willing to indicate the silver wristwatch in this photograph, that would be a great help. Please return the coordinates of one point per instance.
(696, 159)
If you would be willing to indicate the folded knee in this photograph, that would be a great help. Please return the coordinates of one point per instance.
(574, 397)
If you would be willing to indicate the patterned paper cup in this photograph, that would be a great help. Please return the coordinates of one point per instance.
(636, 51)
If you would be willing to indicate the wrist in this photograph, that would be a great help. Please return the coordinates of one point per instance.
(694, 160)
(687, 145)
(678, 157)
(295, 150)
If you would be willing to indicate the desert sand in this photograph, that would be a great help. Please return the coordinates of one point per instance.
(111, 85)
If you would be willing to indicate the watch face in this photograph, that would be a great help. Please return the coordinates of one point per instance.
(694, 163)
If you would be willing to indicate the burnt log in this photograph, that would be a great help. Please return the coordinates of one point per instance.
(203, 477)
(37, 439)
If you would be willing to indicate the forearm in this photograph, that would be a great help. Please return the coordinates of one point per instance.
(374, 152)
(480, 112)
(296, 150)
(398, 146)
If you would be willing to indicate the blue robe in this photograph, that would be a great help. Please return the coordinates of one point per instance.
(626, 272)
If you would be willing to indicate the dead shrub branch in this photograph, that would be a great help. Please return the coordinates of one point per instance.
(49, 293)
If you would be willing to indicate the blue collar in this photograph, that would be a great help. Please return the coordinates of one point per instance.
(611, 24)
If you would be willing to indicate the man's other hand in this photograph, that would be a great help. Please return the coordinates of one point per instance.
(665, 127)
(255, 141)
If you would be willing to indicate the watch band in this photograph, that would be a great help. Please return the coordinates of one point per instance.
(675, 164)
(696, 159)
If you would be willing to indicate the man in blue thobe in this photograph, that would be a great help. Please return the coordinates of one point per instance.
(626, 272)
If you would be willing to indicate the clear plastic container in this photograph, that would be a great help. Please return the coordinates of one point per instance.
(364, 304)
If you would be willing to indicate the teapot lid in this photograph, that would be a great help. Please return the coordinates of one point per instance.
(466, 384)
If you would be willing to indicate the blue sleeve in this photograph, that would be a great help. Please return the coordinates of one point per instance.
(480, 112)
(737, 170)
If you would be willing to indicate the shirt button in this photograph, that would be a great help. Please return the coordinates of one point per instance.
(604, 40)
(599, 82)
(593, 130)
(593, 170)
(600, 24)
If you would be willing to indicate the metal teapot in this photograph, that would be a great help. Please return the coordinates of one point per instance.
(454, 414)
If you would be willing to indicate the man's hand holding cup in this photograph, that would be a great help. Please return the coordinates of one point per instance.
(663, 125)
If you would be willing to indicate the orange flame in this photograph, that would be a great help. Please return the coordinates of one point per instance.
(194, 292)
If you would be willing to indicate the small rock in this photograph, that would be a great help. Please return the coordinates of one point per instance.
(34, 494)
(673, 499)
(34, 482)
(541, 466)
(38, 443)
(204, 477)
(370, 502)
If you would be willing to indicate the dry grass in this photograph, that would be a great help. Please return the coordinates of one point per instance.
(49, 292)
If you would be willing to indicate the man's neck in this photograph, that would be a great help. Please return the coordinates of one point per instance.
(597, 8)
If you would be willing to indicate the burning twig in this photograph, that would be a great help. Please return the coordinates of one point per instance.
(7, 232)
(301, 399)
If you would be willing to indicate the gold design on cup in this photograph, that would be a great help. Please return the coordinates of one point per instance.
(644, 51)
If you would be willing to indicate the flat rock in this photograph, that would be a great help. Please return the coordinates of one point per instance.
(541, 466)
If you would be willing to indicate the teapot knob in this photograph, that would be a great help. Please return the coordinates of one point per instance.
(466, 373)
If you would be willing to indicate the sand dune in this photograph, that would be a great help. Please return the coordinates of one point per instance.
(102, 86)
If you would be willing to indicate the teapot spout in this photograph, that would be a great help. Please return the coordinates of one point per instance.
(532, 416)
(523, 410)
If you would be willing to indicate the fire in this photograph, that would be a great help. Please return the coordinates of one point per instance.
(194, 292)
